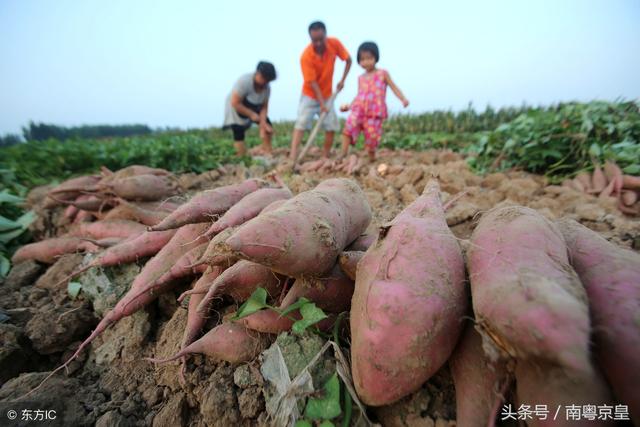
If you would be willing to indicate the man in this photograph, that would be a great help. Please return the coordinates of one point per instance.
(248, 103)
(317, 62)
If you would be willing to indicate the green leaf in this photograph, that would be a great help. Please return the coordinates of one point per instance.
(327, 423)
(6, 224)
(296, 305)
(6, 197)
(7, 236)
(328, 406)
(73, 289)
(632, 170)
(257, 301)
(26, 219)
(303, 423)
(5, 266)
(595, 150)
(310, 316)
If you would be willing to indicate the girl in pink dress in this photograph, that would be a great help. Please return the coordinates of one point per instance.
(368, 109)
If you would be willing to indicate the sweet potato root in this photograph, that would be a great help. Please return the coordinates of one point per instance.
(407, 307)
(611, 277)
(478, 381)
(48, 251)
(307, 233)
(332, 292)
(208, 203)
(348, 261)
(542, 310)
(248, 207)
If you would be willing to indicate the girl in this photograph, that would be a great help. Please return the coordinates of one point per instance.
(368, 109)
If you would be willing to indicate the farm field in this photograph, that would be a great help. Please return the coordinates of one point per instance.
(572, 161)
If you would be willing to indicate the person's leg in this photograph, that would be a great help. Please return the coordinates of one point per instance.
(331, 126)
(372, 130)
(306, 110)
(346, 142)
(238, 140)
(328, 143)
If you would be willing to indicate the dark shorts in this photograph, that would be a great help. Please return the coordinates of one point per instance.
(239, 130)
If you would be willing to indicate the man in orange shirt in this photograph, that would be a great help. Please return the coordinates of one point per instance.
(317, 63)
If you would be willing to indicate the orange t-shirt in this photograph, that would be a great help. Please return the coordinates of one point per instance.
(320, 68)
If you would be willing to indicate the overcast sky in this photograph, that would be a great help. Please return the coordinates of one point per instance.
(172, 63)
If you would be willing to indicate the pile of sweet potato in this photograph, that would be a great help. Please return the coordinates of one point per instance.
(535, 312)
(609, 181)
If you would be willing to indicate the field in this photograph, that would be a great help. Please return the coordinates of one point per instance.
(521, 156)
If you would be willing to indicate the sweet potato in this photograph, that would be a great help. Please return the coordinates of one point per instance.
(108, 228)
(577, 184)
(208, 203)
(585, 180)
(598, 180)
(363, 242)
(75, 185)
(408, 303)
(631, 182)
(239, 281)
(70, 212)
(629, 197)
(348, 261)
(307, 233)
(270, 322)
(273, 206)
(478, 381)
(541, 312)
(611, 277)
(85, 202)
(195, 319)
(143, 187)
(229, 341)
(332, 292)
(248, 207)
(613, 173)
(555, 387)
(139, 212)
(48, 251)
(183, 266)
(217, 252)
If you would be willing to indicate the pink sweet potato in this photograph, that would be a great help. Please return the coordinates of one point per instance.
(613, 173)
(273, 206)
(85, 202)
(195, 319)
(229, 341)
(478, 381)
(183, 266)
(555, 387)
(363, 242)
(629, 197)
(108, 228)
(585, 180)
(307, 233)
(526, 296)
(143, 187)
(248, 207)
(408, 304)
(48, 251)
(332, 292)
(348, 261)
(611, 277)
(208, 203)
(138, 212)
(75, 185)
(217, 252)
(598, 180)
(270, 322)
(631, 182)
(239, 281)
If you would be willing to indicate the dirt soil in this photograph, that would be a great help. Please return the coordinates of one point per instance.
(112, 385)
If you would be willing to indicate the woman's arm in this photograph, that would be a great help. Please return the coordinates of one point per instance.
(396, 90)
(236, 103)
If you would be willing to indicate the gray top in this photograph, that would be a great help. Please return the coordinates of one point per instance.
(245, 89)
